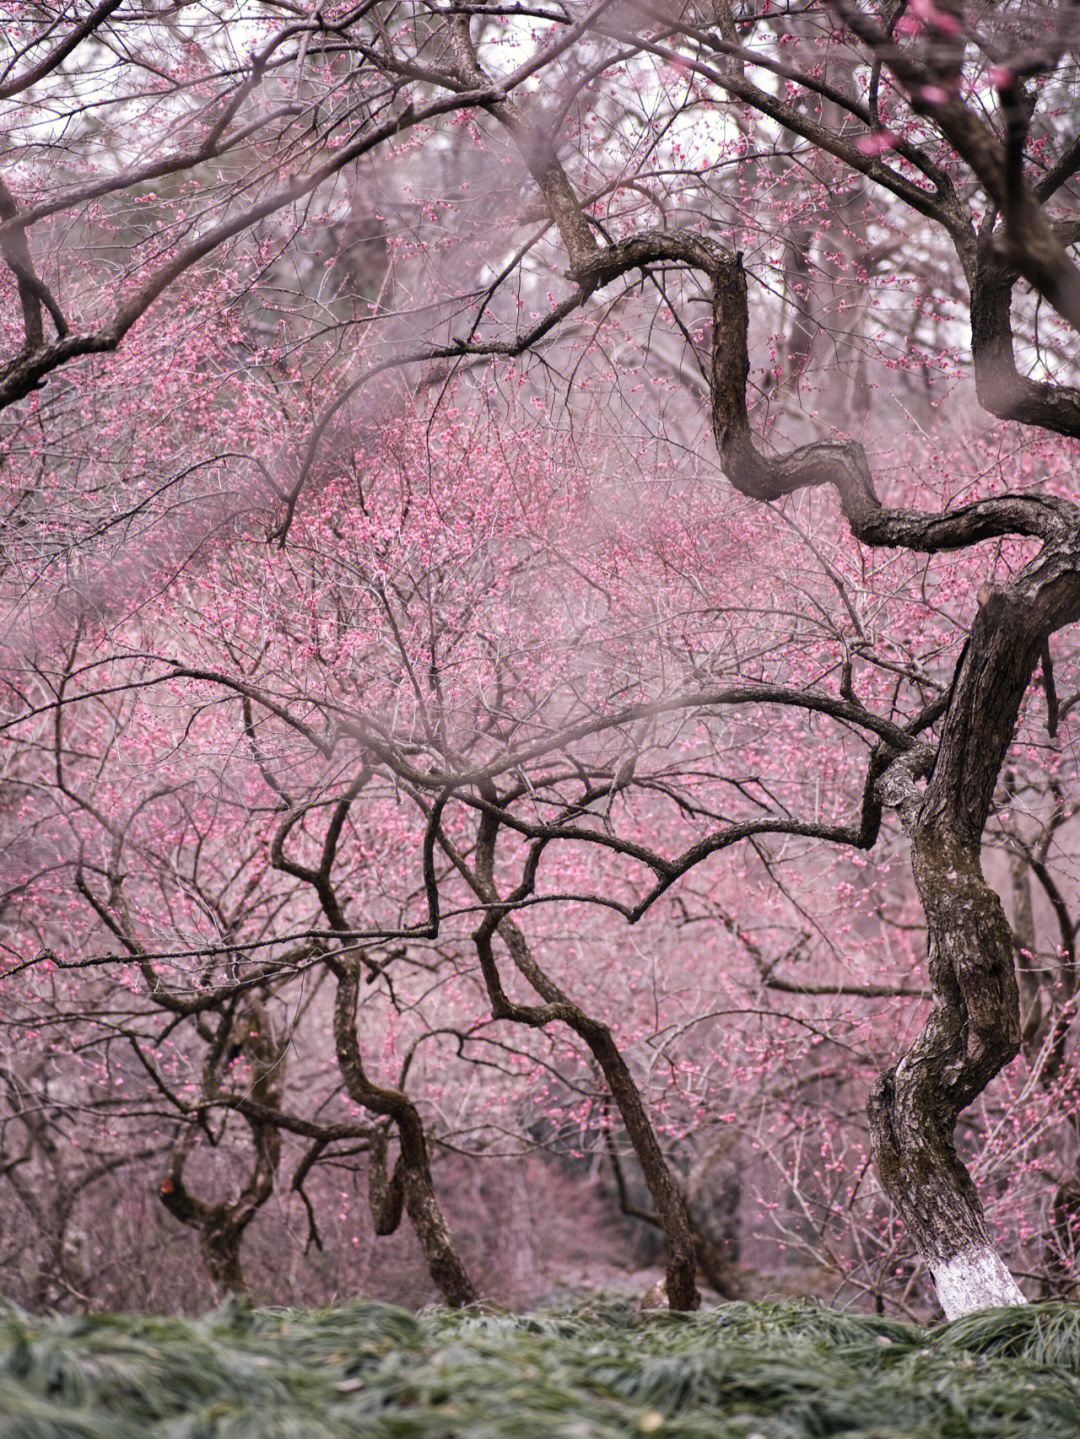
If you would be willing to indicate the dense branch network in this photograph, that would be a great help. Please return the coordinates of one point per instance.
(321, 91)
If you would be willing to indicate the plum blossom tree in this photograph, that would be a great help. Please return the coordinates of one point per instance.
(281, 282)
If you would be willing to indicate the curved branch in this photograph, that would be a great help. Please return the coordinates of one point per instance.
(1000, 387)
(843, 463)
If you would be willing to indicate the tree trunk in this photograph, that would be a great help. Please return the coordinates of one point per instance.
(433, 1232)
(973, 1029)
(559, 1007)
(974, 1025)
(682, 1258)
(220, 1245)
(421, 1204)
(408, 1189)
(666, 1195)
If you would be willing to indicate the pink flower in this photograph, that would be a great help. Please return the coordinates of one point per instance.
(941, 20)
(877, 143)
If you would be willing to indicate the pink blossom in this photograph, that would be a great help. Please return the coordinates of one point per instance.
(877, 143)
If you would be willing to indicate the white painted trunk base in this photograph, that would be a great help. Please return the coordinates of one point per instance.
(974, 1279)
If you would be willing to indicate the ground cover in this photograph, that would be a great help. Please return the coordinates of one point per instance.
(774, 1371)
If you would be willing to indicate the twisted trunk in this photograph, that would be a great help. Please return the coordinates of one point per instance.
(973, 1029)
(413, 1172)
(222, 1226)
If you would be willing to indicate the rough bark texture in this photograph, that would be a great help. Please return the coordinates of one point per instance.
(975, 1278)
(220, 1247)
(972, 1031)
(974, 1025)
(1000, 387)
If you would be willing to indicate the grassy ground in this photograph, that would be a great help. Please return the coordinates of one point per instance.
(775, 1371)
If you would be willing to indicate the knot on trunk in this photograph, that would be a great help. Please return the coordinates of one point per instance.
(897, 787)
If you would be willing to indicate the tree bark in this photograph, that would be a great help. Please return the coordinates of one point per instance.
(682, 1260)
(222, 1226)
(671, 1211)
(220, 1245)
(973, 1029)
(414, 1167)
(716, 1267)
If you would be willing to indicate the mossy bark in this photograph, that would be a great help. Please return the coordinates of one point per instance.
(973, 1028)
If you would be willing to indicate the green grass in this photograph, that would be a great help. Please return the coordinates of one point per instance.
(775, 1371)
